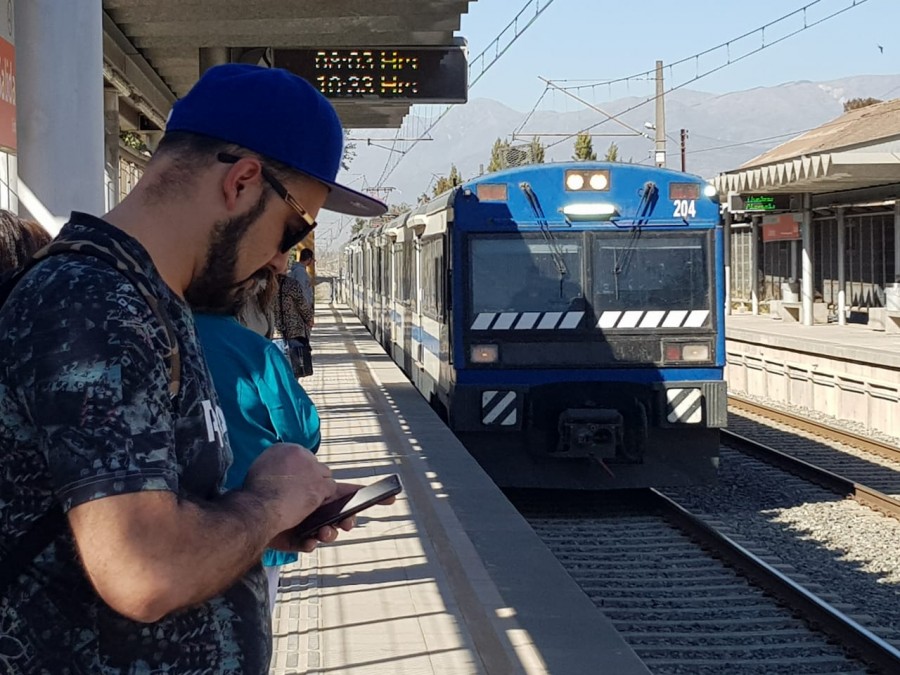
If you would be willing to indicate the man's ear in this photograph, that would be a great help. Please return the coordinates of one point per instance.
(244, 174)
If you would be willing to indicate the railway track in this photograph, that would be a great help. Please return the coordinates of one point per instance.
(688, 597)
(850, 474)
(870, 445)
(692, 600)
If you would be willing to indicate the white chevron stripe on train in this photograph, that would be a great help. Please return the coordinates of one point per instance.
(527, 320)
(681, 318)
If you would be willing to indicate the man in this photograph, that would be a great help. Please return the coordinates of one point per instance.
(300, 272)
(154, 567)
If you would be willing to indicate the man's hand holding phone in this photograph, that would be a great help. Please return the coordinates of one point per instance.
(339, 512)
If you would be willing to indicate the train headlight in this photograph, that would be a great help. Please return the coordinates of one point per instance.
(598, 181)
(709, 190)
(574, 181)
(589, 211)
(695, 352)
(580, 180)
(484, 353)
(686, 352)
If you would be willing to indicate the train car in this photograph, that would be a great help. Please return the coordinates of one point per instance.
(566, 319)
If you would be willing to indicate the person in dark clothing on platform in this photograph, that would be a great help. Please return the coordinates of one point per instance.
(294, 316)
(154, 567)
(300, 272)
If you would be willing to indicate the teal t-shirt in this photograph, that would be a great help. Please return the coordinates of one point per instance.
(261, 400)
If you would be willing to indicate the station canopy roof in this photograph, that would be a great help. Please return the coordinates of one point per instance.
(152, 48)
(860, 149)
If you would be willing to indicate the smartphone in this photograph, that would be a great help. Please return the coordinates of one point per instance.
(335, 511)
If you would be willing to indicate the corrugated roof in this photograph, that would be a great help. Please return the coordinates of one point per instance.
(861, 127)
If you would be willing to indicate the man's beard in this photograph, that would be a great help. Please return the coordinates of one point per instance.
(216, 290)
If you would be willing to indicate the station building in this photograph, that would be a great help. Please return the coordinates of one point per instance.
(814, 223)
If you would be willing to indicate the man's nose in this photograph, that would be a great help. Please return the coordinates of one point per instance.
(279, 262)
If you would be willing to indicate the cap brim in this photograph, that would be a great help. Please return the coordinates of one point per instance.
(352, 203)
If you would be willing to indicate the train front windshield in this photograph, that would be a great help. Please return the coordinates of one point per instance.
(626, 271)
(527, 274)
(651, 272)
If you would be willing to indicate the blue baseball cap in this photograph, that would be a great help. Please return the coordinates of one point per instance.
(278, 115)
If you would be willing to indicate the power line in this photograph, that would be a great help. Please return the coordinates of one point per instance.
(517, 31)
(650, 74)
(764, 45)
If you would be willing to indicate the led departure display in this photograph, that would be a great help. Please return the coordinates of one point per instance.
(411, 74)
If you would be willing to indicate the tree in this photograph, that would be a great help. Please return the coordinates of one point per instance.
(499, 156)
(584, 147)
(536, 151)
(393, 211)
(612, 154)
(445, 183)
(349, 153)
(857, 103)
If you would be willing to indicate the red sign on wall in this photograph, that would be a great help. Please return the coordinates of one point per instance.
(7, 95)
(783, 227)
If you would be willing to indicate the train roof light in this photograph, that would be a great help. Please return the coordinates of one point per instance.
(578, 180)
(574, 181)
(589, 211)
(598, 181)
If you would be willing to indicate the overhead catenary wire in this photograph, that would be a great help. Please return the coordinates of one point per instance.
(539, 7)
(764, 45)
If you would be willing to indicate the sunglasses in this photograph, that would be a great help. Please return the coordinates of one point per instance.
(292, 235)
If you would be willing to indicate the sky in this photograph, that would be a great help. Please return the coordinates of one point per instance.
(606, 39)
(599, 40)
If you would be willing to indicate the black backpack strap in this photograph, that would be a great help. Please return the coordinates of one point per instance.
(54, 522)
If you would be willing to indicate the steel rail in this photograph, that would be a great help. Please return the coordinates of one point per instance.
(859, 640)
(880, 448)
(829, 480)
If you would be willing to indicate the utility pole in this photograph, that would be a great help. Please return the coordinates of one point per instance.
(684, 137)
(660, 117)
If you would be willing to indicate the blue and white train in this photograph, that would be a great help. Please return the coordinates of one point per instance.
(566, 320)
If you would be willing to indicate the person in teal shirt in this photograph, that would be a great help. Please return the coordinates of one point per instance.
(261, 401)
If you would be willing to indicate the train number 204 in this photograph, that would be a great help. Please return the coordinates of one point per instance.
(685, 208)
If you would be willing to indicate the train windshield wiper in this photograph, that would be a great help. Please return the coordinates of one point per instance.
(621, 263)
(549, 237)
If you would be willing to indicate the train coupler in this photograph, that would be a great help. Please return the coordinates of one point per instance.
(588, 432)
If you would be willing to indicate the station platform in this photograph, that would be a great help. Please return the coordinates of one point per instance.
(850, 372)
(450, 579)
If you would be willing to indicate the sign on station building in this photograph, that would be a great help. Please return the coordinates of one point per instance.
(757, 203)
(781, 227)
(428, 74)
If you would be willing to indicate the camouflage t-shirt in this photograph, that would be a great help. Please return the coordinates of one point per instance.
(85, 413)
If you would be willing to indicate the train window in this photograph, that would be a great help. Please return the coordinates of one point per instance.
(651, 272)
(526, 274)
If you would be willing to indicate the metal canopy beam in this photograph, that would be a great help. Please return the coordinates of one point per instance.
(168, 34)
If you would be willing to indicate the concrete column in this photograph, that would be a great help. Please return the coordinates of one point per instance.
(59, 97)
(213, 56)
(754, 265)
(842, 267)
(794, 275)
(111, 128)
(896, 242)
(726, 255)
(807, 273)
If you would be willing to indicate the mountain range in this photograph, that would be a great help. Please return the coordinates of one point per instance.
(724, 131)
